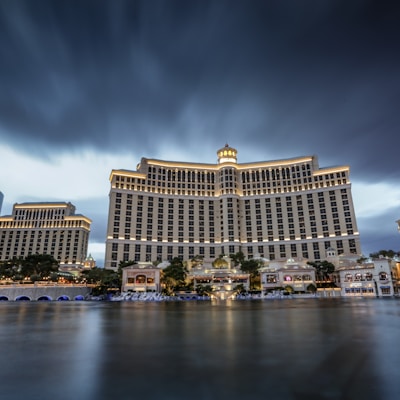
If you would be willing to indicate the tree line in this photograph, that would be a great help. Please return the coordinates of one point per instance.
(34, 267)
(174, 277)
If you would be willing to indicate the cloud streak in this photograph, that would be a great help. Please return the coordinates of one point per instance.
(96, 86)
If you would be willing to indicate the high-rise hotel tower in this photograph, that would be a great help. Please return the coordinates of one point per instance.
(45, 228)
(275, 209)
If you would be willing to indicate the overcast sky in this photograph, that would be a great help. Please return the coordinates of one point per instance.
(88, 86)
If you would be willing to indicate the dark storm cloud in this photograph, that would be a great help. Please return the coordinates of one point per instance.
(293, 77)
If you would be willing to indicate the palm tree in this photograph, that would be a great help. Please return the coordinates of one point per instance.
(311, 288)
(237, 258)
(323, 269)
(169, 284)
(240, 289)
(174, 276)
(204, 290)
(196, 261)
(39, 264)
(9, 268)
(288, 289)
(251, 266)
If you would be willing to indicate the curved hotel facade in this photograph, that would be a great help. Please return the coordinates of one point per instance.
(274, 209)
(45, 228)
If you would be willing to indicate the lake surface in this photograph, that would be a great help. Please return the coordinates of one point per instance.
(259, 349)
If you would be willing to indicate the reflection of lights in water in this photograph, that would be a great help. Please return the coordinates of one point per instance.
(102, 350)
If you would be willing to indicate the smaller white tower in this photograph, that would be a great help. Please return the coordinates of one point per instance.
(227, 154)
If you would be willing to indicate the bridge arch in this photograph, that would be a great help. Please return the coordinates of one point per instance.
(63, 298)
(79, 298)
(3, 298)
(23, 298)
(44, 298)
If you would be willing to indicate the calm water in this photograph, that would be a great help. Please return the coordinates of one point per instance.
(267, 349)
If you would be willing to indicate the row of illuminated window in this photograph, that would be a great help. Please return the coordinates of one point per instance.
(43, 214)
(274, 174)
(261, 249)
(255, 189)
(367, 276)
(322, 196)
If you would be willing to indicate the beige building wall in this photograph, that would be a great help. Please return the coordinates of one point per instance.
(45, 228)
(275, 209)
(141, 278)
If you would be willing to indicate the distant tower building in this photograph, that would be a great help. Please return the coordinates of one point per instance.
(45, 228)
(1, 200)
(280, 209)
(89, 262)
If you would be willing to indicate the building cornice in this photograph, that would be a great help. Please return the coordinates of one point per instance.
(77, 218)
(42, 205)
(216, 167)
(328, 170)
(126, 173)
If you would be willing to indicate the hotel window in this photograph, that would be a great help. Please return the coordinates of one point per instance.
(317, 255)
(358, 277)
(348, 278)
(368, 276)
(385, 290)
(383, 276)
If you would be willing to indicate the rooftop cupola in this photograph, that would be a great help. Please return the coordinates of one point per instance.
(227, 154)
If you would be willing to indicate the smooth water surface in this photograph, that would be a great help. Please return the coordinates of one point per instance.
(260, 349)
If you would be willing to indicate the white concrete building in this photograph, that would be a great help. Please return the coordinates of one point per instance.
(142, 277)
(279, 209)
(294, 273)
(45, 228)
(360, 276)
(371, 278)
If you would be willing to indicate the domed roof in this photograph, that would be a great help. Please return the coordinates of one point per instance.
(227, 154)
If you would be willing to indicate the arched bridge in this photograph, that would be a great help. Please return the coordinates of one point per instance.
(34, 292)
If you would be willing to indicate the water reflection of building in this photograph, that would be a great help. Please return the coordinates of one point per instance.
(278, 274)
(143, 277)
(220, 277)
